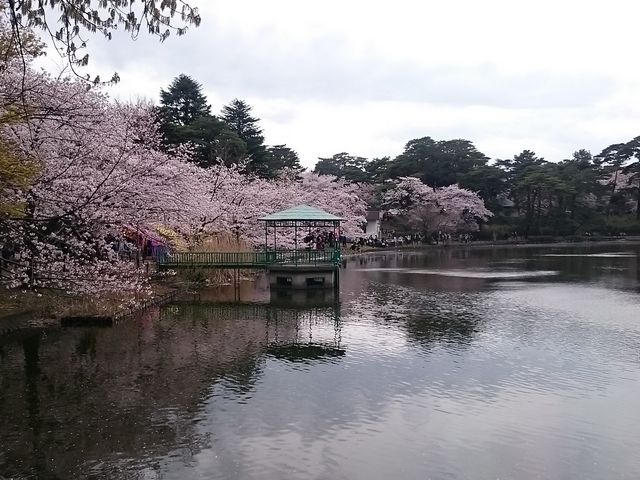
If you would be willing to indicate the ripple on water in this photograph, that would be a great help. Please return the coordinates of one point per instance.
(476, 273)
(629, 254)
(489, 274)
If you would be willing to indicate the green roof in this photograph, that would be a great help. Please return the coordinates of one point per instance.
(302, 213)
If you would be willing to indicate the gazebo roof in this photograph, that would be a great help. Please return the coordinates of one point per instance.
(301, 213)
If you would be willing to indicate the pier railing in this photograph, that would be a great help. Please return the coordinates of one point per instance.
(257, 259)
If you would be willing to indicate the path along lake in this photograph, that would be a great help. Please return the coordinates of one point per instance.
(451, 363)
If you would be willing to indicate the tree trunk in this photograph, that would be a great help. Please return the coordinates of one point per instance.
(539, 212)
(613, 191)
(529, 214)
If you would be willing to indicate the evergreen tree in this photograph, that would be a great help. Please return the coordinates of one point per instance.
(185, 119)
(488, 181)
(343, 165)
(282, 157)
(519, 165)
(377, 170)
(213, 142)
(237, 116)
(437, 163)
(622, 162)
(581, 177)
(183, 102)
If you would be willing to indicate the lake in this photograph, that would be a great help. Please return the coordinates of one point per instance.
(446, 363)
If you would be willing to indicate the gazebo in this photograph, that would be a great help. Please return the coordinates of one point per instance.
(313, 266)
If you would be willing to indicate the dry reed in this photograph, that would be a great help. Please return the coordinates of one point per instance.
(221, 242)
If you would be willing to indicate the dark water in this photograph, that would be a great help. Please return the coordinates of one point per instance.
(450, 364)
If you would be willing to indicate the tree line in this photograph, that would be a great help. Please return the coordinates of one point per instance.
(527, 194)
(234, 139)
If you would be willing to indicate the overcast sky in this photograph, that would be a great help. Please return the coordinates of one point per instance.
(367, 76)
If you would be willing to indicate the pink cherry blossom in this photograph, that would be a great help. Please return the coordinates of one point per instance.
(449, 209)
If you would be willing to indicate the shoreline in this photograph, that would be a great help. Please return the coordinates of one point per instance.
(487, 244)
(32, 321)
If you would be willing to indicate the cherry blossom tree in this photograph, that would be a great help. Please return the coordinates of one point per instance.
(449, 209)
(100, 169)
(238, 201)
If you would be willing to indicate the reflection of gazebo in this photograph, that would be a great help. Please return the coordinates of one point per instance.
(294, 333)
(305, 352)
(315, 266)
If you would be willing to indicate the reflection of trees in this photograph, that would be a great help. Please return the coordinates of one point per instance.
(429, 328)
(436, 308)
(427, 316)
(575, 268)
(103, 400)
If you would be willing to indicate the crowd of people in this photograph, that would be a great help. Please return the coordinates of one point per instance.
(394, 240)
(441, 237)
(322, 239)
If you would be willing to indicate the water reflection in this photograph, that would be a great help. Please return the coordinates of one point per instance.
(494, 372)
(296, 352)
(107, 401)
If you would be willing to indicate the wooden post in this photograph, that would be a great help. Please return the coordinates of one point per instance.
(236, 285)
(266, 240)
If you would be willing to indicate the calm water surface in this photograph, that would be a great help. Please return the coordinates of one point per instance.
(518, 363)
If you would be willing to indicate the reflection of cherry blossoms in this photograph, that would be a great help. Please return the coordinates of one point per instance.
(101, 170)
(448, 209)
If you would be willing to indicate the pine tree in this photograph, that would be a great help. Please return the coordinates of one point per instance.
(183, 102)
(283, 157)
(237, 116)
(185, 119)
(213, 142)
